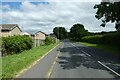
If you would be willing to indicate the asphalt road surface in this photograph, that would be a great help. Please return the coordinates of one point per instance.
(73, 60)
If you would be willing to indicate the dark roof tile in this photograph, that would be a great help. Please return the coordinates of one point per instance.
(9, 26)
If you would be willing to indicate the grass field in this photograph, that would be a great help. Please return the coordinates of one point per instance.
(112, 49)
(12, 64)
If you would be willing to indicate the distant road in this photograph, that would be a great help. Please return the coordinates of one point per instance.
(73, 60)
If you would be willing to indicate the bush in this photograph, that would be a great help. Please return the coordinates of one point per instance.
(49, 40)
(16, 44)
(112, 39)
(108, 39)
(92, 39)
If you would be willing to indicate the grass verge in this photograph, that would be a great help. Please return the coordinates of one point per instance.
(112, 49)
(13, 64)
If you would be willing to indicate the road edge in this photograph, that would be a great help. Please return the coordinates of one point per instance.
(49, 73)
(35, 62)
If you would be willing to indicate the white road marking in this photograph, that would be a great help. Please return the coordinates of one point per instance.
(52, 67)
(100, 62)
(74, 46)
(81, 50)
(109, 68)
(49, 73)
(35, 62)
(85, 53)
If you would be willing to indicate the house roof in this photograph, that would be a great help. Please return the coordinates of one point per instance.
(41, 32)
(9, 27)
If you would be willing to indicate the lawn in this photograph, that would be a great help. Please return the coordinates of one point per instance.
(112, 49)
(13, 64)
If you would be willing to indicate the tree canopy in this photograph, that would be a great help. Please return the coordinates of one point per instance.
(108, 12)
(60, 32)
(77, 31)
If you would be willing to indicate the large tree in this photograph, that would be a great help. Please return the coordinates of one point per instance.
(108, 12)
(77, 31)
(60, 32)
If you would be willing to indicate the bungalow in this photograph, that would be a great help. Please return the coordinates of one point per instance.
(10, 30)
(38, 37)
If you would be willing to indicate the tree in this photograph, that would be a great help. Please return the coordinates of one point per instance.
(117, 26)
(60, 32)
(108, 11)
(77, 31)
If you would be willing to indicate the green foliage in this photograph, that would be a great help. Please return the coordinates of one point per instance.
(49, 40)
(117, 26)
(16, 44)
(111, 49)
(92, 39)
(77, 32)
(101, 33)
(108, 11)
(13, 64)
(108, 39)
(60, 32)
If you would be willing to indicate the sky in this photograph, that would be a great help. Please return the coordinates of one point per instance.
(33, 16)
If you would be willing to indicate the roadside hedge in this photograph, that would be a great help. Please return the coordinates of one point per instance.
(92, 39)
(16, 44)
(108, 39)
(49, 40)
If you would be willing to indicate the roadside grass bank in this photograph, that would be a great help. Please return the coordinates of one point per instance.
(112, 49)
(13, 64)
(0, 41)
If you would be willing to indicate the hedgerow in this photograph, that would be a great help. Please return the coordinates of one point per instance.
(16, 44)
(92, 39)
(109, 39)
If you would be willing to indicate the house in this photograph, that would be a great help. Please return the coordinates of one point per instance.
(39, 35)
(10, 30)
(38, 38)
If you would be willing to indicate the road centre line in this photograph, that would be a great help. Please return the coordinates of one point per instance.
(100, 62)
(109, 68)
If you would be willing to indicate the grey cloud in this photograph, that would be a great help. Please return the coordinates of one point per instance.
(45, 17)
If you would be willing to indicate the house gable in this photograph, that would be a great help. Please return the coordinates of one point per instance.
(10, 30)
(40, 35)
(15, 31)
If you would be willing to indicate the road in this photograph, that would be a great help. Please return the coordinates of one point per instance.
(73, 60)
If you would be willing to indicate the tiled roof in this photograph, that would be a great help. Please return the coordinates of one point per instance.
(41, 32)
(8, 26)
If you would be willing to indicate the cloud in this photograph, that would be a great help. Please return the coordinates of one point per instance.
(45, 17)
(5, 7)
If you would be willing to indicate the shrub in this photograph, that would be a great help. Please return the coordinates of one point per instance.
(92, 39)
(16, 44)
(108, 39)
(49, 40)
(112, 39)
